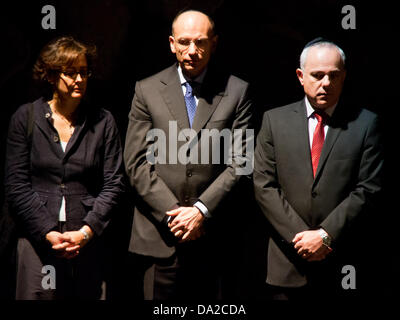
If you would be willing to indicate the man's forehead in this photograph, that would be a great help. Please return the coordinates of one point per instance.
(323, 58)
(192, 21)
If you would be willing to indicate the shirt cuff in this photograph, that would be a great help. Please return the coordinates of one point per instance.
(203, 209)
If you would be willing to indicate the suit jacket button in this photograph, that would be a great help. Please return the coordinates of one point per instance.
(55, 138)
(189, 173)
(313, 194)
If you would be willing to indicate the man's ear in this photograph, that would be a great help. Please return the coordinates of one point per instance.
(300, 75)
(172, 44)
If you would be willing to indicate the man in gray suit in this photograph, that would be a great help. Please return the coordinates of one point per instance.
(182, 181)
(317, 173)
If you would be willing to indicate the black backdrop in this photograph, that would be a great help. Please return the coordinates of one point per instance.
(260, 41)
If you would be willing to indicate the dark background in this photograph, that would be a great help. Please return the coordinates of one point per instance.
(260, 41)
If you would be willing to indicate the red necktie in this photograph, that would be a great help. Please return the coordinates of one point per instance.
(318, 140)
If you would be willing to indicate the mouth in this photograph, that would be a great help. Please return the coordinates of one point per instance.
(323, 95)
(191, 62)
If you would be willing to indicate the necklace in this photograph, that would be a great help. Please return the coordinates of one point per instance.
(68, 123)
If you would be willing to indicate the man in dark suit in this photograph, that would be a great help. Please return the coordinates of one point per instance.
(181, 178)
(317, 173)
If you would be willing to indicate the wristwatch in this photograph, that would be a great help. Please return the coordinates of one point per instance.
(326, 239)
(85, 234)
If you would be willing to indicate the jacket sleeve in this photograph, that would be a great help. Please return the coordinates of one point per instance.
(285, 220)
(30, 211)
(242, 156)
(367, 188)
(113, 182)
(141, 173)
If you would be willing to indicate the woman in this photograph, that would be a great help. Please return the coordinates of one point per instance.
(63, 179)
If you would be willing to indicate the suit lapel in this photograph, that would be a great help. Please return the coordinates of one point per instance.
(300, 127)
(204, 111)
(211, 94)
(42, 120)
(212, 91)
(172, 94)
(79, 131)
(331, 137)
(335, 127)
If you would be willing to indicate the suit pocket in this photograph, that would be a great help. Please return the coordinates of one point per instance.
(43, 199)
(218, 124)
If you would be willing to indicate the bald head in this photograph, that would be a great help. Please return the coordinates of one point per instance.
(193, 18)
(193, 41)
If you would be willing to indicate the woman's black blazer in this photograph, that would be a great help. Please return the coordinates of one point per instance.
(38, 173)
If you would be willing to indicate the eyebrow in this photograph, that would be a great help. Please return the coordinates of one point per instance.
(326, 72)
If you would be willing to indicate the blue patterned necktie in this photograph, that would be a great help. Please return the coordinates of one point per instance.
(190, 102)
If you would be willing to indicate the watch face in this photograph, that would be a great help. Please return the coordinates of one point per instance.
(326, 240)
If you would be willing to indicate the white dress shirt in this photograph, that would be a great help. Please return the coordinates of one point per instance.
(199, 79)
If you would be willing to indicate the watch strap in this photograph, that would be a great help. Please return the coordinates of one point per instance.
(85, 234)
(326, 239)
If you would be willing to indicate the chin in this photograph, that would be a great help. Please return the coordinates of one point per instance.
(77, 95)
(193, 72)
(324, 104)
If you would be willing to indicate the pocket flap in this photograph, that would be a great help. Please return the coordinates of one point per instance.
(43, 199)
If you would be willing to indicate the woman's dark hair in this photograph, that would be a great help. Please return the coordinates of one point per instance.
(59, 54)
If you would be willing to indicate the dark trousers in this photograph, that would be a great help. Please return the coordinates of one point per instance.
(190, 275)
(77, 278)
(319, 288)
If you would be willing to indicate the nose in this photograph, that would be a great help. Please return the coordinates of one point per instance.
(326, 81)
(192, 48)
(78, 78)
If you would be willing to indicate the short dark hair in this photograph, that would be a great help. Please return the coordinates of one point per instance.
(212, 23)
(59, 54)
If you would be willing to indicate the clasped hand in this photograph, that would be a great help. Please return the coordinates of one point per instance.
(186, 223)
(309, 245)
(67, 244)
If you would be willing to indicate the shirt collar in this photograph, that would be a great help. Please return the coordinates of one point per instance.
(310, 110)
(198, 79)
